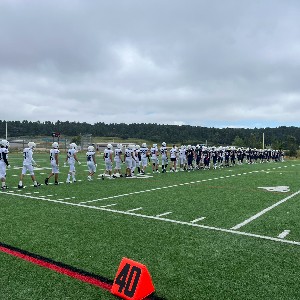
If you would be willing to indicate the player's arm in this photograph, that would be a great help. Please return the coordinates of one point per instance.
(76, 159)
(4, 156)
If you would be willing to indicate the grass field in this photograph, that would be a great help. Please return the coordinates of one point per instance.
(220, 234)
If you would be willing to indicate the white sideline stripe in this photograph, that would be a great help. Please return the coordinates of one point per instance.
(199, 219)
(283, 234)
(164, 214)
(264, 237)
(134, 209)
(264, 211)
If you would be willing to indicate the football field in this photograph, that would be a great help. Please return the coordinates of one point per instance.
(230, 233)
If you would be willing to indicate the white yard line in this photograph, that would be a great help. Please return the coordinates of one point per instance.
(134, 209)
(283, 234)
(238, 226)
(199, 219)
(163, 219)
(163, 214)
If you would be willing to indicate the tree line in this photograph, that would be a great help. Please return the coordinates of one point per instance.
(281, 137)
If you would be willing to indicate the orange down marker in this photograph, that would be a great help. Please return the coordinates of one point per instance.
(132, 281)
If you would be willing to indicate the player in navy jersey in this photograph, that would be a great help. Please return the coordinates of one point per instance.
(190, 157)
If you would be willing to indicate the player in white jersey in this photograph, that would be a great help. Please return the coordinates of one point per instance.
(173, 157)
(71, 159)
(91, 161)
(28, 163)
(4, 144)
(154, 158)
(108, 158)
(138, 155)
(118, 160)
(182, 158)
(164, 157)
(128, 157)
(135, 159)
(54, 164)
(144, 152)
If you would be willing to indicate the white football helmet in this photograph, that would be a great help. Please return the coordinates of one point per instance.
(91, 148)
(55, 145)
(137, 147)
(154, 145)
(144, 145)
(163, 144)
(120, 146)
(109, 146)
(31, 145)
(73, 146)
(4, 143)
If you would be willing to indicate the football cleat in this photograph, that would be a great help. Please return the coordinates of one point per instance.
(46, 181)
(37, 184)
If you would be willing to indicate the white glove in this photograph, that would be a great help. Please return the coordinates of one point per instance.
(96, 165)
(79, 162)
(65, 164)
(9, 166)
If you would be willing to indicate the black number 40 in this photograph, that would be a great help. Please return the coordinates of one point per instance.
(124, 280)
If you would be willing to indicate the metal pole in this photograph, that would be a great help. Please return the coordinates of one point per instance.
(6, 131)
(263, 141)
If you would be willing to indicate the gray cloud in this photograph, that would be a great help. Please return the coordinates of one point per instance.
(196, 62)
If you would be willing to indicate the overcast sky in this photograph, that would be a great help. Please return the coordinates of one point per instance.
(215, 63)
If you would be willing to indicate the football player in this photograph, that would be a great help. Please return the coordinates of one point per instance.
(173, 157)
(108, 157)
(144, 151)
(4, 144)
(71, 159)
(128, 157)
(54, 164)
(154, 158)
(28, 163)
(91, 161)
(164, 157)
(118, 160)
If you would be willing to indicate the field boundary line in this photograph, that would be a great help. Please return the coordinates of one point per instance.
(236, 232)
(238, 226)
